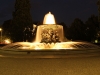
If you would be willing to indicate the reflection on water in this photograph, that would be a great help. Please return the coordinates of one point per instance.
(40, 46)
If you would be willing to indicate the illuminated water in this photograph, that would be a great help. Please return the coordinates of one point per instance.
(44, 46)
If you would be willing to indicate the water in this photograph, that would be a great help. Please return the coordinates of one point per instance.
(50, 46)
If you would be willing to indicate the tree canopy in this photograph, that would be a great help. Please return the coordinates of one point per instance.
(92, 27)
(83, 31)
(21, 19)
(76, 30)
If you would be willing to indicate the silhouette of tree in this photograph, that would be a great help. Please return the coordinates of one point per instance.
(76, 30)
(92, 27)
(21, 19)
(86, 32)
(7, 28)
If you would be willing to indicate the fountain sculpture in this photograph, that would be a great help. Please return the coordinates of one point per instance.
(49, 36)
(49, 32)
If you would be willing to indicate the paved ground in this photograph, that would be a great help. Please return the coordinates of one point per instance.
(81, 65)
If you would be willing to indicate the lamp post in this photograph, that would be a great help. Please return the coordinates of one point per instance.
(1, 34)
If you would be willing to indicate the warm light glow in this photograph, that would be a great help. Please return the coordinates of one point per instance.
(96, 41)
(34, 26)
(0, 29)
(48, 46)
(49, 19)
(7, 41)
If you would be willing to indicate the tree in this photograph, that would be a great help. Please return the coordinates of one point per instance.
(6, 27)
(21, 19)
(98, 3)
(92, 26)
(76, 30)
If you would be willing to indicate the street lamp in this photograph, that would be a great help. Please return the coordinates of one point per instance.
(1, 34)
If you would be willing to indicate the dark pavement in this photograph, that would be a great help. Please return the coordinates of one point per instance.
(79, 64)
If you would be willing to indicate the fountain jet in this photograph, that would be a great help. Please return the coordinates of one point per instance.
(49, 19)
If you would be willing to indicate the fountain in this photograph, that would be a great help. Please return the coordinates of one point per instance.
(49, 31)
(49, 36)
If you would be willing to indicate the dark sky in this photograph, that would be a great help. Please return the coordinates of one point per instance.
(63, 10)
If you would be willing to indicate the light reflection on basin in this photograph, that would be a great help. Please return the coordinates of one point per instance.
(48, 46)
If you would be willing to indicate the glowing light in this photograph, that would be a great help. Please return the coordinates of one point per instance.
(0, 29)
(96, 41)
(49, 19)
(7, 41)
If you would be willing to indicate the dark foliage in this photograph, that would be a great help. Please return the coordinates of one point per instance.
(86, 32)
(76, 30)
(21, 19)
(7, 28)
(92, 27)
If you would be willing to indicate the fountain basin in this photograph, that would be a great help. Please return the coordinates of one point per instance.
(53, 50)
(50, 46)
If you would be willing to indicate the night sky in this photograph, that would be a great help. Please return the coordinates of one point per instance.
(63, 10)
